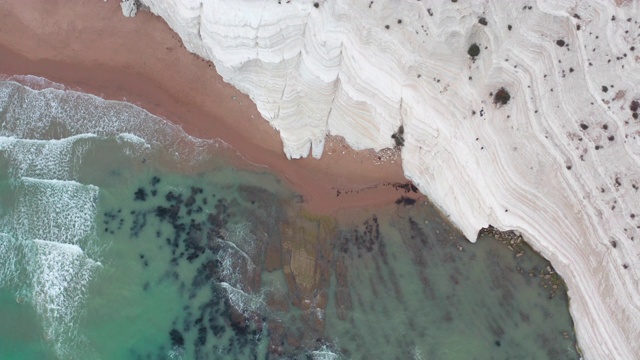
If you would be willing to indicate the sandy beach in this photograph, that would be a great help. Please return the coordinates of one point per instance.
(91, 47)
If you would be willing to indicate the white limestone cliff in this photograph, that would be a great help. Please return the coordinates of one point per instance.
(559, 162)
(129, 7)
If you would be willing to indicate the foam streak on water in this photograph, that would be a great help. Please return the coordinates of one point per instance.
(324, 354)
(55, 210)
(232, 259)
(45, 159)
(58, 114)
(243, 302)
(53, 220)
(10, 267)
(60, 275)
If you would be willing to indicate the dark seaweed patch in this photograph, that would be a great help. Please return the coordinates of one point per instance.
(220, 217)
(193, 240)
(418, 234)
(140, 195)
(360, 242)
(173, 198)
(201, 340)
(177, 340)
(190, 201)
(169, 213)
(407, 187)
(196, 241)
(138, 224)
(109, 218)
(406, 201)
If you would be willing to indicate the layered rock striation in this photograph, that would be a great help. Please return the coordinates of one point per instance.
(518, 114)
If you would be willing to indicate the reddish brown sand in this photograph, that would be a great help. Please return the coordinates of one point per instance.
(89, 46)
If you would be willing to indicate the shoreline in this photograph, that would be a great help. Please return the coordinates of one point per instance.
(92, 48)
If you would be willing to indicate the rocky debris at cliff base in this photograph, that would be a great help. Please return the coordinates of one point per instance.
(129, 7)
(549, 278)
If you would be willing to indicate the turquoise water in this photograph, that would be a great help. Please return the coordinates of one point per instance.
(123, 238)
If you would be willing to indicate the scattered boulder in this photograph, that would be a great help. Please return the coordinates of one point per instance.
(501, 97)
(474, 50)
(129, 7)
(398, 136)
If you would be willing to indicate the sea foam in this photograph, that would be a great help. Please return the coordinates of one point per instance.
(324, 353)
(10, 261)
(55, 210)
(49, 249)
(33, 82)
(242, 301)
(53, 220)
(53, 114)
(45, 159)
(60, 274)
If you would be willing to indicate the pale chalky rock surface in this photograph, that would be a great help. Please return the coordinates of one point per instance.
(129, 7)
(558, 162)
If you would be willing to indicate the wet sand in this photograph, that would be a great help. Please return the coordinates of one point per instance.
(91, 47)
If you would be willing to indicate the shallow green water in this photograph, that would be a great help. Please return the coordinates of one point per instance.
(420, 291)
(112, 246)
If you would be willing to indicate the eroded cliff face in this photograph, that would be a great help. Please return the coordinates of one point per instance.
(523, 115)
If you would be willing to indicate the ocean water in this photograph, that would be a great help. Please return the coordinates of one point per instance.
(123, 238)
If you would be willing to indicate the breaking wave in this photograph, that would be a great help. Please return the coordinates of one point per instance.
(55, 114)
(49, 248)
(45, 159)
